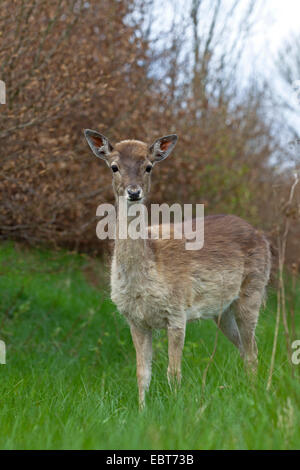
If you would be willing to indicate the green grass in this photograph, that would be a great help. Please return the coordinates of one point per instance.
(69, 381)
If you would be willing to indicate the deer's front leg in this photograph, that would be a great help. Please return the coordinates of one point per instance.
(175, 346)
(142, 340)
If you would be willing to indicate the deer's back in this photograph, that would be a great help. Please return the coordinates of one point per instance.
(229, 243)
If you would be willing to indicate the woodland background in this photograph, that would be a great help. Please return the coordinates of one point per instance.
(70, 65)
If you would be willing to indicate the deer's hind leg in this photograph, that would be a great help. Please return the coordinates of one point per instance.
(247, 312)
(228, 325)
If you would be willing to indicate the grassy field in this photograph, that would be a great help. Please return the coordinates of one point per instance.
(69, 381)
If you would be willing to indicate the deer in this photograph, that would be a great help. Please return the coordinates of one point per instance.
(158, 284)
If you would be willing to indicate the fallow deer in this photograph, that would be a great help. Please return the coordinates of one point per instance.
(157, 283)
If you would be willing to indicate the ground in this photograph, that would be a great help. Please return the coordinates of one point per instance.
(69, 381)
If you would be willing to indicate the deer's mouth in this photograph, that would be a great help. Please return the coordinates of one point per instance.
(134, 198)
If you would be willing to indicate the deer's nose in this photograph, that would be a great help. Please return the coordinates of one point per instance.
(134, 192)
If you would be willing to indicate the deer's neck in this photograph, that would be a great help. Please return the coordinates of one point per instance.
(131, 255)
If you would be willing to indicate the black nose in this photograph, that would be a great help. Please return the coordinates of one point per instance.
(134, 193)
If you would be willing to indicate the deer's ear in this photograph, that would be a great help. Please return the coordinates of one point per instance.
(162, 147)
(99, 144)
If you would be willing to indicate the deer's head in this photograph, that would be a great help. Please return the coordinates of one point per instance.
(131, 162)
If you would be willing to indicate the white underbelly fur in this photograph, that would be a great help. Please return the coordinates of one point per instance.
(206, 312)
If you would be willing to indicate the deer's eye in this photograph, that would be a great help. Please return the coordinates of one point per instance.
(148, 168)
(114, 168)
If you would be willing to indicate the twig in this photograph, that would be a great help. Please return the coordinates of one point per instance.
(281, 300)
